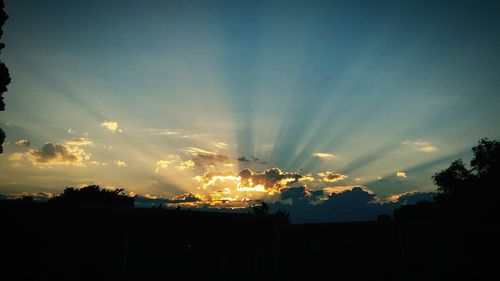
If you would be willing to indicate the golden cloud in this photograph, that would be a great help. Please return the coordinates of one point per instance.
(332, 177)
(189, 164)
(23, 142)
(401, 174)
(163, 164)
(16, 156)
(111, 126)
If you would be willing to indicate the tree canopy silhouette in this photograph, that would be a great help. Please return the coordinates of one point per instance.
(4, 71)
(464, 192)
(93, 196)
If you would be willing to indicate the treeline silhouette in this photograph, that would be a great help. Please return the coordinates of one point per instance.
(96, 234)
(4, 71)
(93, 196)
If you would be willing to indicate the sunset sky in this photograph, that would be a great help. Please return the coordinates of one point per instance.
(173, 97)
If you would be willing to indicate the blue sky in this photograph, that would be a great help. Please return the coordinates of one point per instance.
(149, 95)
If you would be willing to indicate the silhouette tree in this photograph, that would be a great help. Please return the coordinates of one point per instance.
(453, 181)
(4, 71)
(464, 192)
(93, 196)
(486, 158)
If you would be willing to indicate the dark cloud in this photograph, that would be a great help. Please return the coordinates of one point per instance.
(209, 159)
(37, 196)
(296, 193)
(356, 204)
(142, 201)
(413, 197)
(252, 159)
(270, 178)
(53, 153)
(184, 198)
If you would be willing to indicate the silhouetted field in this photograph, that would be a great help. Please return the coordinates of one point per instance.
(43, 242)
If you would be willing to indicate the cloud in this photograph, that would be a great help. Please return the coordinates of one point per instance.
(23, 142)
(429, 149)
(184, 198)
(147, 201)
(189, 164)
(342, 188)
(411, 197)
(401, 174)
(79, 141)
(252, 159)
(354, 204)
(332, 177)
(423, 146)
(195, 151)
(272, 178)
(16, 156)
(37, 196)
(57, 154)
(111, 126)
(220, 144)
(205, 158)
(120, 163)
(296, 193)
(169, 133)
(323, 155)
(163, 164)
(307, 177)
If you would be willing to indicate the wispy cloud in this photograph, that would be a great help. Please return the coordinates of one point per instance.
(423, 146)
(197, 151)
(79, 141)
(120, 163)
(16, 156)
(429, 149)
(220, 144)
(323, 155)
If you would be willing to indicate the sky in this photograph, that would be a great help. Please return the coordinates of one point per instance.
(233, 101)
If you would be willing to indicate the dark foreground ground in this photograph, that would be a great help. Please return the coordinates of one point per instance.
(39, 242)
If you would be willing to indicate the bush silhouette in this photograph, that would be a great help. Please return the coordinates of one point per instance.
(93, 196)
